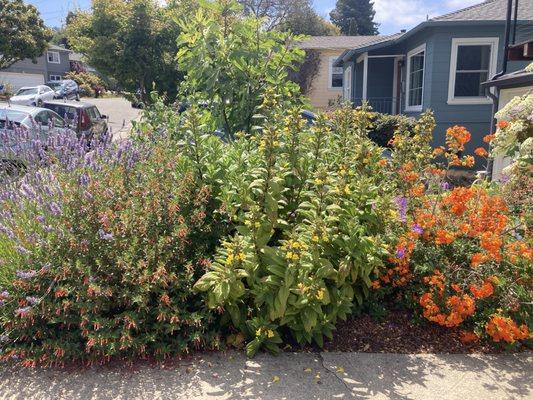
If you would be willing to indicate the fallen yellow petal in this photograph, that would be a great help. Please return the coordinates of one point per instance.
(340, 370)
(275, 379)
(307, 370)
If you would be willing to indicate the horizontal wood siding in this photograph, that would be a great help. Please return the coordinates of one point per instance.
(321, 94)
(42, 66)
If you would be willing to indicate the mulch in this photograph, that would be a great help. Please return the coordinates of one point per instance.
(398, 333)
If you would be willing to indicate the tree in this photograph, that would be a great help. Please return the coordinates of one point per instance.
(132, 41)
(355, 17)
(22, 32)
(233, 62)
(305, 21)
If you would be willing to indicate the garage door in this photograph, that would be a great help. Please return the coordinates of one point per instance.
(17, 80)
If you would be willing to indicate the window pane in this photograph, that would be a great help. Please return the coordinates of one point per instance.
(336, 80)
(473, 58)
(468, 84)
(416, 79)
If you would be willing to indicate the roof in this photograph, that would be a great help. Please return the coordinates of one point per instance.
(58, 48)
(490, 10)
(337, 42)
(520, 78)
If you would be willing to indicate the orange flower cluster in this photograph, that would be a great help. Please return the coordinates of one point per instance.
(469, 337)
(488, 138)
(504, 328)
(483, 291)
(458, 309)
(444, 237)
(456, 138)
(407, 174)
(481, 152)
(400, 273)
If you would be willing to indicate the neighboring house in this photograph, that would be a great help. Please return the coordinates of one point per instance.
(327, 84)
(51, 66)
(508, 86)
(438, 65)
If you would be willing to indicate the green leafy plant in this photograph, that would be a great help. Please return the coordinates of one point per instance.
(309, 213)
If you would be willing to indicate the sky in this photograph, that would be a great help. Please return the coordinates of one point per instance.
(392, 15)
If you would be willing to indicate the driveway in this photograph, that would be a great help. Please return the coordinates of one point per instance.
(290, 376)
(119, 111)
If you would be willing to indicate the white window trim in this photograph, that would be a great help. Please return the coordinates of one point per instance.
(410, 54)
(55, 76)
(456, 42)
(58, 57)
(347, 83)
(332, 60)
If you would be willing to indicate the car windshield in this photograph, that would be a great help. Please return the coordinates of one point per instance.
(12, 115)
(55, 85)
(26, 91)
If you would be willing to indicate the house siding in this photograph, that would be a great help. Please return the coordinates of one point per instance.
(42, 66)
(321, 95)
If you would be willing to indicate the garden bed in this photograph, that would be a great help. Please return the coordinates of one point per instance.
(397, 333)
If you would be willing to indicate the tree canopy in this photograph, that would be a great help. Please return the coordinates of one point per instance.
(355, 17)
(133, 41)
(22, 32)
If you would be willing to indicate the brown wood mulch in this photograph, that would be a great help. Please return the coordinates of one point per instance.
(398, 333)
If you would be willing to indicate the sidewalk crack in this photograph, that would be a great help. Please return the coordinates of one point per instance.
(334, 373)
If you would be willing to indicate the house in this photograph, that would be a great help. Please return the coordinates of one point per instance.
(506, 87)
(326, 86)
(51, 66)
(438, 65)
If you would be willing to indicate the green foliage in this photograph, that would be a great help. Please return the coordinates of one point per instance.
(111, 252)
(88, 83)
(132, 41)
(22, 32)
(309, 215)
(240, 63)
(355, 17)
(385, 125)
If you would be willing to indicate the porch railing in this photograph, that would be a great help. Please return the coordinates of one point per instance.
(385, 105)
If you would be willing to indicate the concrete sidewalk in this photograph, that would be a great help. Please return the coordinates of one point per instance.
(292, 376)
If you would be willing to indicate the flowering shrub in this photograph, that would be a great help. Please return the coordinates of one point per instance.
(108, 245)
(309, 215)
(461, 254)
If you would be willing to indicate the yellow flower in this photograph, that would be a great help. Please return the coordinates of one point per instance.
(315, 238)
(319, 181)
(295, 256)
(342, 172)
(257, 224)
(230, 258)
(258, 332)
(289, 255)
(241, 256)
(320, 294)
(270, 333)
(301, 286)
(347, 190)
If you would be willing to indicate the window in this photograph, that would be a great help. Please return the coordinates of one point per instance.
(415, 78)
(473, 61)
(53, 57)
(55, 77)
(335, 75)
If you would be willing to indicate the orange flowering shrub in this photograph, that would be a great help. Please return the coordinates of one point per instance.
(461, 254)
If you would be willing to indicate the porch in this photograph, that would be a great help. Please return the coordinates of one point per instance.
(376, 79)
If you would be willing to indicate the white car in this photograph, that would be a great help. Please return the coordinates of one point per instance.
(32, 96)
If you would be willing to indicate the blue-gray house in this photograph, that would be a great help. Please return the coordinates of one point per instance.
(439, 65)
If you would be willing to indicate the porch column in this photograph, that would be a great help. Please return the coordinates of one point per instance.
(365, 74)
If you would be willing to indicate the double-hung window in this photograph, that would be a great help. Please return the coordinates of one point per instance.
(335, 75)
(53, 57)
(473, 61)
(415, 79)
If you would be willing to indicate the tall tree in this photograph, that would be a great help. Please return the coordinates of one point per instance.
(133, 41)
(22, 32)
(355, 17)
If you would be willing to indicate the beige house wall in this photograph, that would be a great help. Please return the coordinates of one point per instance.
(321, 93)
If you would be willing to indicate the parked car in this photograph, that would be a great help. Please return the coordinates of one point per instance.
(13, 146)
(28, 117)
(82, 117)
(65, 89)
(33, 95)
